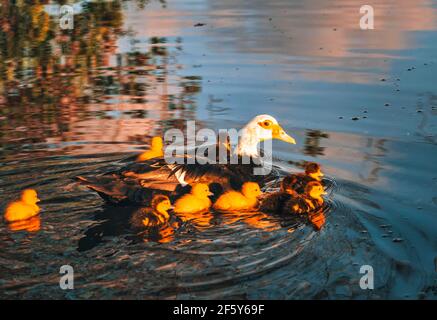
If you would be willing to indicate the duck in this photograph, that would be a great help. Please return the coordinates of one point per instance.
(286, 202)
(244, 200)
(195, 202)
(274, 201)
(135, 182)
(156, 150)
(296, 183)
(155, 215)
(307, 203)
(23, 209)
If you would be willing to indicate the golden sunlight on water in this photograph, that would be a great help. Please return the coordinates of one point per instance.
(360, 103)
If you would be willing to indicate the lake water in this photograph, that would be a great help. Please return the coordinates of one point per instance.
(363, 103)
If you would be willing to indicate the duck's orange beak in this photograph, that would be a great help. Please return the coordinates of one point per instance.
(210, 193)
(280, 134)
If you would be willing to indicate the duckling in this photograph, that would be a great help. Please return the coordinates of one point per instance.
(196, 201)
(274, 201)
(152, 216)
(31, 225)
(306, 203)
(155, 151)
(245, 200)
(295, 183)
(23, 209)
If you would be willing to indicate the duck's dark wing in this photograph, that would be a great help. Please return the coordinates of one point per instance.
(230, 175)
(137, 182)
(159, 174)
(118, 190)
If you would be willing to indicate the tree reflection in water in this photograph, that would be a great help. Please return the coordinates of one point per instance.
(61, 86)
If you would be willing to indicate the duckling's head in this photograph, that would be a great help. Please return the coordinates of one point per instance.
(201, 190)
(30, 197)
(260, 128)
(313, 170)
(156, 143)
(315, 190)
(251, 190)
(161, 203)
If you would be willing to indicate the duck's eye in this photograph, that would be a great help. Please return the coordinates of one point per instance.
(265, 124)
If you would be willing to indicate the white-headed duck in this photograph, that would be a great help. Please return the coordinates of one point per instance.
(157, 174)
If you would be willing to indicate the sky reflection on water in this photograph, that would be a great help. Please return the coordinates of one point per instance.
(74, 102)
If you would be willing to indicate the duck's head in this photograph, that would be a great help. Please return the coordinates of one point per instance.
(30, 197)
(161, 204)
(261, 128)
(315, 190)
(201, 190)
(156, 143)
(251, 190)
(313, 170)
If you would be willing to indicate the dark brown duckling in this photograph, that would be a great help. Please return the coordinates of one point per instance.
(309, 202)
(282, 202)
(296, 183)
(155, 215)
(273, 202)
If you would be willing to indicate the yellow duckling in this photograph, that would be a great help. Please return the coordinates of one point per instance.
(245, 200)
(32, 224)
(23, 209)
(196, 201)
(156, 150)
(153, 216)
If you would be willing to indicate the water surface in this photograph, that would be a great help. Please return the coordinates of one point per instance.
(75, 102)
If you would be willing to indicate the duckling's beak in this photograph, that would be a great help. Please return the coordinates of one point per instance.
(210, 193)
(38, 199)
(280, 134)
(171, 208)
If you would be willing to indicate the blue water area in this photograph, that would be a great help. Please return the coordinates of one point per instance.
(362, 103)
